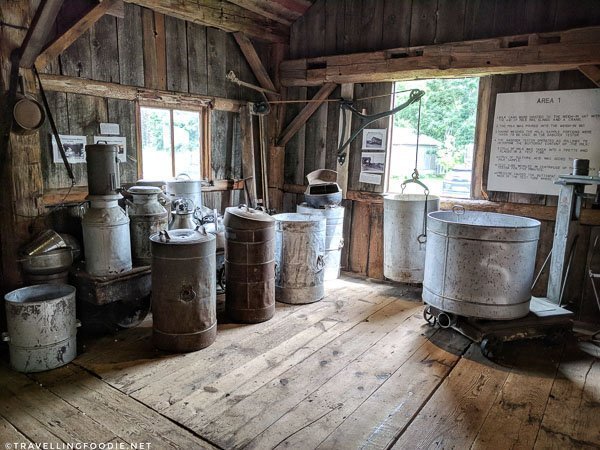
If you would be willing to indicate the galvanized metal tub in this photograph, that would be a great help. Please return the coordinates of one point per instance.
(106, 238)
(334, 236)
(184, 290)
(300, 258)
(249, 265)
(42, 327)
(403, 224)
(480, 264)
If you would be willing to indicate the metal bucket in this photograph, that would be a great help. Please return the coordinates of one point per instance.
(480, 264)
(184, 290)
(102, 169)
(106, 238)
(147, 216)
(188, 189)
(299, 257)
(334, 236)
(41, 327)
(403, 223)
(249, 265)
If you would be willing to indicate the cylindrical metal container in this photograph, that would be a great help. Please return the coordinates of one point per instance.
(299, 257)
(189, 189)
(41, 327)
(480, 264)
(184, 292)
(403, 224)
(106, 237)
(249, 265)
(334, 236)
(102, 169)
(147, 216)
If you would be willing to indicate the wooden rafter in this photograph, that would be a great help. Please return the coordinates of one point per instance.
(37, 34)
(145, 96)
(271, 10)
(68, 37)
(220, 14)
(592, 72)
(305, 114)
(543, 52)
(255, 63)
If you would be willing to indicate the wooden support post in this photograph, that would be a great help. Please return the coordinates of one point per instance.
(248, 161)
(592, 72)
(258, 69)
(305, 114)
(39, 29)
(342, 169)
(68, 37)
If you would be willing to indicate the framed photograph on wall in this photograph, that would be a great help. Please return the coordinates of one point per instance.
(74, 147)
(374, 139)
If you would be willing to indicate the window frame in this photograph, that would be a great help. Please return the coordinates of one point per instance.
(204, 136)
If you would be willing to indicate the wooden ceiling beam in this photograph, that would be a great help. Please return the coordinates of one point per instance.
(61, 43)
(38, 32)
(541, 52)
(220, 14)
(268, 9)
(592, 72)
(299, 7)
(255, 64)
(303, 116)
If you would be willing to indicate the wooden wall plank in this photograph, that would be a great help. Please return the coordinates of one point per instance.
(177, 61)
(375, 261)
(131, 39)
(123, 112)
(359, 238)
(395, 28)
(103, 45)
(76, 61)
(451, 21)
(423, 22)
(149, 49)
(316, 135)
(509, 17)
(216, 49)
(479, 19)
(371, 27)
(197, 65)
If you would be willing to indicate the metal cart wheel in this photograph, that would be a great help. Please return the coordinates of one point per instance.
(491, 346)
(429, 317)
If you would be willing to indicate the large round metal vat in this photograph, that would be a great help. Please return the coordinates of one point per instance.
(147, 216)
(403, 223)
(299, 257)
(249, 265)
(41, 327)
(102, 169)
(334, 236)
(184, 291)
(480, 264)
(106, 237)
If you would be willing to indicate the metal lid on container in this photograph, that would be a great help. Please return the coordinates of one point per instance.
(243, 217)
(144, 190)
(321, 176)
(109, 148)
(182, 236)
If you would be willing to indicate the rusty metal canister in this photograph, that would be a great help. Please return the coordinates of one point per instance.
(147, 216)
(300, 257)
(103, 169)
(42, 327)
(184, 291)
(249, 264)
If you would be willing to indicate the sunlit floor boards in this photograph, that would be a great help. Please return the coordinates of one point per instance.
(359, 369)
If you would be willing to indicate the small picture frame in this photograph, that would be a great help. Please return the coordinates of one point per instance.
(374, 139)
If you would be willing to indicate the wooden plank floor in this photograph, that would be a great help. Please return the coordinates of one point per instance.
(360, 369)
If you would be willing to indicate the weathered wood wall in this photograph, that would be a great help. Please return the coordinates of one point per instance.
(150, 50)
(349, 26)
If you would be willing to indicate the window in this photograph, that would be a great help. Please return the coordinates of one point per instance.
(172, 143)
(446, 138)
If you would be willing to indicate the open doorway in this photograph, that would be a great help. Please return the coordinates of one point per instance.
(446, 136)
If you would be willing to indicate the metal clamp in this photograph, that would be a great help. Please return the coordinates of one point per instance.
(414, 178)
(459, 210)
(422, 238)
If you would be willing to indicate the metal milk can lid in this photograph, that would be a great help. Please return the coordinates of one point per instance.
(182, 236)
(144, 190)
(243, 217)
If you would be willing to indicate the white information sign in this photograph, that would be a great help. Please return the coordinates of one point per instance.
(537, 135)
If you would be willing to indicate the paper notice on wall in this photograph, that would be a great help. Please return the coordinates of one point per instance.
(73, 146)
(537, 135)
(109, 128)
(369, 178)
(119, 141)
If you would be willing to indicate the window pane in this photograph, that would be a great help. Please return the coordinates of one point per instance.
(186, 129)
(156, 143)
(446, 137)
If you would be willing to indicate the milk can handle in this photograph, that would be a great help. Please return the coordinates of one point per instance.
(320, 263)
(459, 210)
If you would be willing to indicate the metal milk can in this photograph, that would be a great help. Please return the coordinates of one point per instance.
(106, 237)
(184, 215)
(147, 216)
